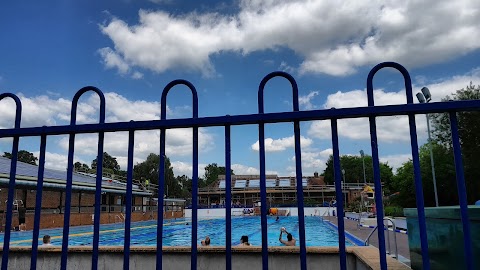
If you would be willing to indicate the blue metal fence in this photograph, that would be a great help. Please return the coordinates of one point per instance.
(260, 119)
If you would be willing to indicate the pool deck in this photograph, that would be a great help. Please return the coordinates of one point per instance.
(362, 233)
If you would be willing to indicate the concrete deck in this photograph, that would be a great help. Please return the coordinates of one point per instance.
(362, 233)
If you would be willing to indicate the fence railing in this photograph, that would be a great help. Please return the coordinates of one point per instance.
(260, 119)
(305, 188)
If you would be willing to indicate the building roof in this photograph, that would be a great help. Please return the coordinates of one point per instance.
(26, 175)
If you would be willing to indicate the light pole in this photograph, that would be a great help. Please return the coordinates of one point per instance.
(363, 162)
(343, 186)
(425, 97)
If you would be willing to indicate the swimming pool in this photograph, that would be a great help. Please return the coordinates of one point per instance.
(178, 233)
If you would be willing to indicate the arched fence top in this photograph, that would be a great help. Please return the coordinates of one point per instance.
(397, 66)
(77, 96)
(274, 74)
(163, 109)
(18, 110)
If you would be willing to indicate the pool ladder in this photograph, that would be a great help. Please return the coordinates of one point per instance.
(367, 241)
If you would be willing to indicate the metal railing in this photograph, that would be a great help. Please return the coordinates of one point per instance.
(389, 251)
(260, 119)
(306, 188)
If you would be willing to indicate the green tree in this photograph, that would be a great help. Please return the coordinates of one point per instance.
(404, 184)
(110, 164)
(186, 184)
(353, 166)
(148, 170)
(82, 167)
(469, 133)
(23, 156)
(212, 171)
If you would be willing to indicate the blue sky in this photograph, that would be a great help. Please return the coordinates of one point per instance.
(132, 49)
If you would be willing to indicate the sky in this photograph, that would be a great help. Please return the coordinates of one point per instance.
(132, 49)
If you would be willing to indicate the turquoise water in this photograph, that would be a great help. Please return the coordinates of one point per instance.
(178, 233)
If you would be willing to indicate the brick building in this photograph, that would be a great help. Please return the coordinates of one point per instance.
(82, 202)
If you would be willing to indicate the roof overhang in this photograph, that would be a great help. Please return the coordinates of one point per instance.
(61, 186)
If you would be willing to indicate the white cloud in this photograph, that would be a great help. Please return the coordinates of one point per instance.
(111, 59)
(185, 168)
(137, 75)
(389, 129)
(240, 169)
(306, 101)
(396, 161)
(282, 144)
(446, 86)
(332, 37)
(312, 162)
(244, 170)
(36, 111)
(178, 144)
(57, 161)
(285, 67)
(43, 110)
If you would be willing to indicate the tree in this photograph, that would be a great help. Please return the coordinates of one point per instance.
(404, 184)
(23, 156)
(186, 184)
(212, 171)
(353, 166)
(148, 170)
(469, 133)
(82, 167)
(110, 164)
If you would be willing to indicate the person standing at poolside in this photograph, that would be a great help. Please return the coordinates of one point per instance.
(291, 241)
(21, 218)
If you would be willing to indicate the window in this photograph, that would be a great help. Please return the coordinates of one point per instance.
(271, 183)
(284, 182)
(240, 183)
(254, 183)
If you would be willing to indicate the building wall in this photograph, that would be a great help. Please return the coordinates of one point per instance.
(52, 218)
(77, 219)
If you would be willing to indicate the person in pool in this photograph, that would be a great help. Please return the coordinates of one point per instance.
(244, 241)
(206, 242)
(47, 240)
(291, 241)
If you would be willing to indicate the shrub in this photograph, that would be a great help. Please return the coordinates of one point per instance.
(394, 211)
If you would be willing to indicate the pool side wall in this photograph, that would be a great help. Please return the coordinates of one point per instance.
(280, 258)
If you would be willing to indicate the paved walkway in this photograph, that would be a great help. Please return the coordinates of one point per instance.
(362, 233)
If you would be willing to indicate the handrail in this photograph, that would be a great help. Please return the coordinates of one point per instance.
(367, 241)
(394, 227)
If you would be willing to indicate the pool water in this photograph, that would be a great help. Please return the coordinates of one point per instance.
(178, 232)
